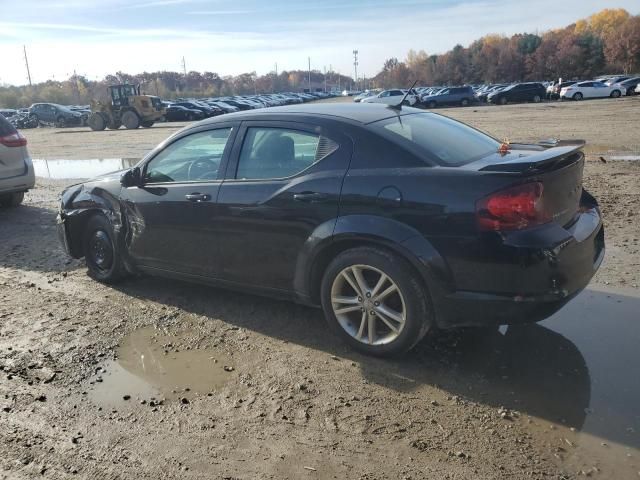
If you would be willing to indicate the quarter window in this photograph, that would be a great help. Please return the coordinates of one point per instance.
(280, 153)
(193, 158)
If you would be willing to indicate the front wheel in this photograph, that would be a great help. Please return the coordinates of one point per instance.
(130, 120)
(432, 105)
(375, 301)
(536, 99)
(577, 96)
(615, 94)
(103, 259)
(12, 199)
(503, 100)
(464, 102)
(61, 122)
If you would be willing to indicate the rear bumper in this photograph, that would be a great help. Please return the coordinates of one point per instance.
(19, 183)
(522, 281)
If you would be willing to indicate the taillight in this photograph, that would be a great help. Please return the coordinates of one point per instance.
(13, 140)
(513, 208)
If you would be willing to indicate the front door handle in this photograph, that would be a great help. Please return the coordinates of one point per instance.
(310, 197)
(197, 197)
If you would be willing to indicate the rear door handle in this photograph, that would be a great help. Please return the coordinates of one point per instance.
(197, 197)
(310, 197)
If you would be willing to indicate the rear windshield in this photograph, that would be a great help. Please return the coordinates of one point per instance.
(445, 141)
(5, 127)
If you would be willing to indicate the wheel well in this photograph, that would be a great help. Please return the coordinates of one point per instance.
(325, 257)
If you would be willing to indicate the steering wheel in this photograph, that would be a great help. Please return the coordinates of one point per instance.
(206, 167)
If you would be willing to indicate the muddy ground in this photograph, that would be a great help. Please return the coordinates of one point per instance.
(107, 382)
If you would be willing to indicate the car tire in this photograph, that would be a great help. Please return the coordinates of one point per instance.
(615, 94)
(577, 96)
(130, 120)
(104, 262)
(35, 119)
(464, 102)
(190, 117)
(11, 200)
(371, 309)
(536, 99)
(431, 105)
(61, 122)
(502, 101)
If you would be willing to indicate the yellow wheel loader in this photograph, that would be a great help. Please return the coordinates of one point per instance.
(127, 108)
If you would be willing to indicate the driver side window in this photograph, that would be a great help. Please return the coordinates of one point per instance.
(194, 158)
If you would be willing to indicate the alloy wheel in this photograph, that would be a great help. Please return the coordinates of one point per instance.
(368, 305)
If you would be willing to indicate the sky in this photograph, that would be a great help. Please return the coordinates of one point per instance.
(96, 37)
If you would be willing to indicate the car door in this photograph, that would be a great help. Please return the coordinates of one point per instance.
(587, 90)
(283, 182)
(171, 216)
(601, 90)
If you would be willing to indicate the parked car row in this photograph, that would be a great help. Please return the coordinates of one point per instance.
(187, 109)
(182, 109)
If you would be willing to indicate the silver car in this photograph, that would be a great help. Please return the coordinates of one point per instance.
(16, 168)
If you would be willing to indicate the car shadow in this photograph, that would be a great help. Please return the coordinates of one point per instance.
(21, 247)
(529, 368)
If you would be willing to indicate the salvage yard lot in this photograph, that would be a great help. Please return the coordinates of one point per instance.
(293, 402)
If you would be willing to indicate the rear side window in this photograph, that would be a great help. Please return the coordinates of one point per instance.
(445, 141)
(5, 127)
(280, 152)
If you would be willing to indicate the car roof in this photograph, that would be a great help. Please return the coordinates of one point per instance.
(353, 112)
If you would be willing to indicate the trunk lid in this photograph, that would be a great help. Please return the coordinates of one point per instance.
(558, 168)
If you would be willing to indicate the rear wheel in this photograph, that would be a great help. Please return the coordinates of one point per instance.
(464, 102)
(130, 120)
(536, 99)
(615, 94)
(97, 122)
(101, 255)
(12, 199)
(375, 301)
(61, 122)
(577, 96)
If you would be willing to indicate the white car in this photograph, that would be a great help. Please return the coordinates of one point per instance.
(16, 168)
(391, 97)
(638, 88)
(590, 89)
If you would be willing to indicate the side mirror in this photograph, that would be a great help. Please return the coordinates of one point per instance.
(131, 178)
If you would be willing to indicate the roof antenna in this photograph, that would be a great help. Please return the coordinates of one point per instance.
(399, 105)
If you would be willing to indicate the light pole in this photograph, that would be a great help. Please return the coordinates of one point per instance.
(355, 67)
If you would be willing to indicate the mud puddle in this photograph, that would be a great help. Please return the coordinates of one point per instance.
(61, 169)
(153, 365)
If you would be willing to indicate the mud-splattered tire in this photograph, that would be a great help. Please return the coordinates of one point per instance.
(375, 318)
(103, 260)
(96, 122)
(130, 120)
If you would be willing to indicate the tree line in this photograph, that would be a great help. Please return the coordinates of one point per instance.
(606, 42)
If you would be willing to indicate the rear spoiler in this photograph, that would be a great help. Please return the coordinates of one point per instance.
(531, 158)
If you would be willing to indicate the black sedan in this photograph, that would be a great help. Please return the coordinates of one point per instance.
(177, 113)
(519, 92)
(394, 221)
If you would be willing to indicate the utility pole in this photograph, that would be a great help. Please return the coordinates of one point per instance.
(325, 79)
(355, 67)
(331, 73)
(26, 62)
(309, 73)
(338, 80)
(184, 67)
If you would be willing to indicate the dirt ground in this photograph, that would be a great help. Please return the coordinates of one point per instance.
(284, 399)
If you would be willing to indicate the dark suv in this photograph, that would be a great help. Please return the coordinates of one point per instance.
(519, 92)
(462, 96)
(58, 115)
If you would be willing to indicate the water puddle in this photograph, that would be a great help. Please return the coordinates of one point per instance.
(153, 365)
(72, 169)
(625, 158)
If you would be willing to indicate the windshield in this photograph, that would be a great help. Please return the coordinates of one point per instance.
(447, 142)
